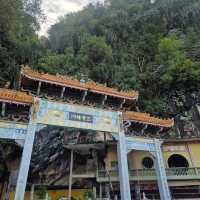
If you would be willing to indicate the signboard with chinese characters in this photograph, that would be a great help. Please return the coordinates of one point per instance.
(83, 117)
(74, 116)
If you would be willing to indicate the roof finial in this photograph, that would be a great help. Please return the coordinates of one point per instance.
(82, 80)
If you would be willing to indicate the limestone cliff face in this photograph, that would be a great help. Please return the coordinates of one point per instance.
(184, 107)
(50, 160)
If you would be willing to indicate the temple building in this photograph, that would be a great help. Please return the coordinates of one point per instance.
(85, 162)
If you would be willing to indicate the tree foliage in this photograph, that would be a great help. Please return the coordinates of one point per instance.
(19, 42)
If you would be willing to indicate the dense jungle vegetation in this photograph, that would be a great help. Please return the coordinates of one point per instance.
(150, 46)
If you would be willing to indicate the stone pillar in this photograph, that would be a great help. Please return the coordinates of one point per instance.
(137, 191)
(115, 197)
(160, 172)
(25, 162)
(6, 192)
(94, 192)
(47, 196)
(70, 175)
(107, 191)
(123, 167)
(32, 192)
(100, 191)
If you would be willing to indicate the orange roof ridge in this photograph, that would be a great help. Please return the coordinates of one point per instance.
(147, 118)
(91, 85)
(41, 76)
(14, 96)
(75, 83)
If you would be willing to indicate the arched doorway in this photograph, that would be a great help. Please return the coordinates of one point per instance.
(177, 160)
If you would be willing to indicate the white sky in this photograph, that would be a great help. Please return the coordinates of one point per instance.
(53, 9)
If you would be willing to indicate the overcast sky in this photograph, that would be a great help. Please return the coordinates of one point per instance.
(53, 9)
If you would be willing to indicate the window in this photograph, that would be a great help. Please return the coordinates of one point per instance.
(114, 165)
(177, 160)
(147, 162)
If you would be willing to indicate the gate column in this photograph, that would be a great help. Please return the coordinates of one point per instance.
(161, 173)
(123, 167)
(25, 161)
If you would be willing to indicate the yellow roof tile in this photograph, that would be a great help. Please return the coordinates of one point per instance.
(74, 83)
(15, 96)
(147, 118)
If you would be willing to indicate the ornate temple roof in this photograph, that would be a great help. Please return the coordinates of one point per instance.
(13, 96)
(17, 97)
(146, 118)
(66, 81)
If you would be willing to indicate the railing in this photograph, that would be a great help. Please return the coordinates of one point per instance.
(84, 173)
(150, 174)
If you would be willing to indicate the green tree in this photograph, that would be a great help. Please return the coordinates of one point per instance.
(59, 63)
(177, 70)
(183, 74)
(18, 38)
(96, 51)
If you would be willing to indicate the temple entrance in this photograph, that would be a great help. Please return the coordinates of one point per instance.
(45, 113)
(75, 157)
(177, 160)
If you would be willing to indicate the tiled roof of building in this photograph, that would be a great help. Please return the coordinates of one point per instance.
(147, 119)
(13, 96)
(74, 83)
